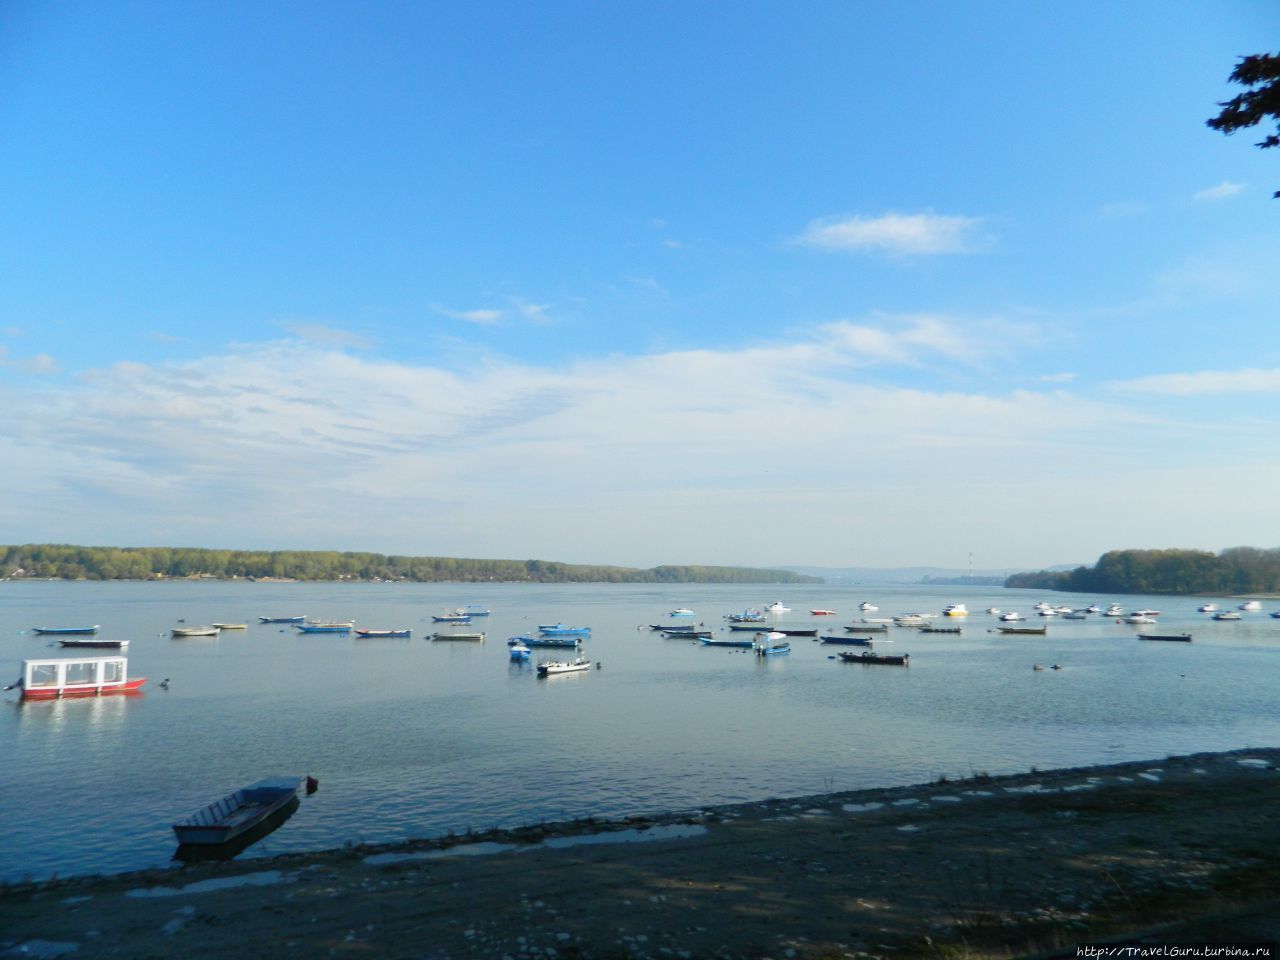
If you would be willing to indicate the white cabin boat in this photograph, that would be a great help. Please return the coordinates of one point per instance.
(778, 607)
(550, 668)
(956, 610)
(1207, 608)
(771, 644)
(867, 606)
(80, 677)
(1139, 618)
(1011, 616)
(1114, 610)
(1227, 615)
(1249, 606)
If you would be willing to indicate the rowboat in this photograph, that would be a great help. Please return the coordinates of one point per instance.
(686, 634)
(899, 660)
(452, 618)
(96, 644)
(225, 819)
(406, 632)
(710, 641)
(326, 626)
(476, 637)
(928, 629)
(794, 632)
(65, 631)
(1024, 631)
(866, 627)
(550, 668)
(849, 641)
(90, 677)
(567, 642)
(771, 644)
(281, 619)
(1176, 637)
(180, 632)
(232, 626)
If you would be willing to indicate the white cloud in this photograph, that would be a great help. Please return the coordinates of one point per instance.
(534, 312)
(482, 317)
(323, 334)
(1221, 191)
(1063, 377)
(38, 363)
(920, 233)
(1204, 383)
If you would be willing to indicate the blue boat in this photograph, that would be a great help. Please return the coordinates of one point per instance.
(452, 618)
(724, 642)
(529, 641)
(560, 630)
(65, 631)
(282, 619)
(475, 610)
(519, 651)
(337, 627)
(849, 641)
(771, 644)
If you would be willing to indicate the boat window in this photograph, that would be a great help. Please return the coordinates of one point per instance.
(44, 675)
(80, 673)
(112, 671)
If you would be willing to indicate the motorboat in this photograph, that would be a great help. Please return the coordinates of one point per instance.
(823, 613)
(225, 819)
(867, 607)
(880, 620)
(771, 644)
(892, 659)
(1207, 608)
(955, 610)
(473, 610)
(724, 642)
(451, 618)
(1048, 611)
(560, 630)
(1075, 615)
(746, 616)
(1249, 606)
(1139, 618)
(1114, 610)
(1011, 616)
(84, 677)
(777, 607)
(993, 610)
(1227, 615)
(681, 612)
(1093, 608)
(326, 626)
(550, 668)
(518, 651)
(1147, 613)
(282, 619)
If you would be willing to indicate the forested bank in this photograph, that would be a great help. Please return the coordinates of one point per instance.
(66, 562)
(1237, 570)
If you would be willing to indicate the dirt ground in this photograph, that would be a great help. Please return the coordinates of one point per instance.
(1181, 850)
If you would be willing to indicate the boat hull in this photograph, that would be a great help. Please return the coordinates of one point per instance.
(64, 631)
(226, 819)
(127, 688)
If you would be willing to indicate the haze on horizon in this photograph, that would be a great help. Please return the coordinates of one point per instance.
(876, 285)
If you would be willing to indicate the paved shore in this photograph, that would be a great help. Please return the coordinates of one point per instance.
(1179, 848)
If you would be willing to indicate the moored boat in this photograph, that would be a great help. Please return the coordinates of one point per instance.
(771, 644)
(1141, 618)
(1207, 608)
(65, 631)
(777, 607)
(1011, 616)
(956, 610)
(865, 627)
(724, 642)
(550, 668)
(1176, 637)
(795, 631)
(1226, 615)
(232, 626)
(822, 613)
(849, 641)
(1249, 606)
(1024, 631)
(1113, 610)
(686, 634)
(452, 618)
(95, 644)
(225, 819)
(282, 619)
(326, 626)
(473, 637)
(179, 632)
(83, 677)
(681, 612)
(928, 628)
(566, 642)
(518, 652)
(560, 630)
(406, 632)
(866, 606)
(891, 659)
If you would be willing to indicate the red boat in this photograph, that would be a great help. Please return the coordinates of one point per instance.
(823, 613)
(88, 677)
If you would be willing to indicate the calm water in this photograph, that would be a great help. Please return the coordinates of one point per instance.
(413, 738)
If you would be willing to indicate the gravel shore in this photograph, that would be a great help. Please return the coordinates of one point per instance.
(1185, 847)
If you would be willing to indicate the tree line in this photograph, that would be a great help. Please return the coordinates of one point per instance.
(66, 562)
(1236, 570)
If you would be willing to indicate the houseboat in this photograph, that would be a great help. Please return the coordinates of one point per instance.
(80, 677)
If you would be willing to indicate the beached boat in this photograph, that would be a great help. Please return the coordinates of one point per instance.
(82, 677)
(560, 630)
(1177, 637)
(65, 631)
(849, 641)
(956, 610)
(327, 626)
(473, 637)
(232, 626)
(406, 632)
(282, 619)
(95, 644)
(225, 819)
(891, 659)
(209, 631)
(724, 642)
(550, 668)
(771, 644)
(1024, 631)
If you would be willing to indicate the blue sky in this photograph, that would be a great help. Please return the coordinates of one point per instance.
(754, 283)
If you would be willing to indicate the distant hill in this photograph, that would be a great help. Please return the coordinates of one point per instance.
(904, 575)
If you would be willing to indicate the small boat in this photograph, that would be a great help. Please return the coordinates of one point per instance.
(771, 644)
(955, 610)
(406, 632)
(1114, 610)
(1075, 615)
(849, 641)
(993, 610)
(867, 606)
(891, 659)
(724, 642)
(1093, 608)
(879, 620)
(550, 668)
(1250, 606)
(1024, 631)
(865, 627)
(823, 613)
(681, 612)
(65, 631)
(518, 652)
(1176, 637)
(179, 632)
(225, 819)
(686, 634)
(282, 619)
(777, 607)
(1275, 614)
(795, 631)
(452, 618)
(232, 626)
(753, 627)
(912, 619)
(673, 627)
(1143, 618)
(96, 644)
(567, 642)
(1147, 613)
(475, 637)
(473, 610)
(1207, 608)
(746, 616)
(560, 630)
(1011, 617)
(1226, 615)
(89, 677)
(327, 626)
(1048, 611)
(926, 628)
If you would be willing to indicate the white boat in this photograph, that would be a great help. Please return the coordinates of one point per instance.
(1048, 611)
(1041, 605)
(195, 631)
(80, 677)
(1114, 610)
(993, 610)
(550, 668)
(1147, 613)
(1093, 608)
(1139, 618)
(955, 610)
(770, 644)
(867, 607)
(778, 607)
(1250, 605)
(1227, 615)
(1207, 608)
(231, 626)
(1011, 616)
(681, 612)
